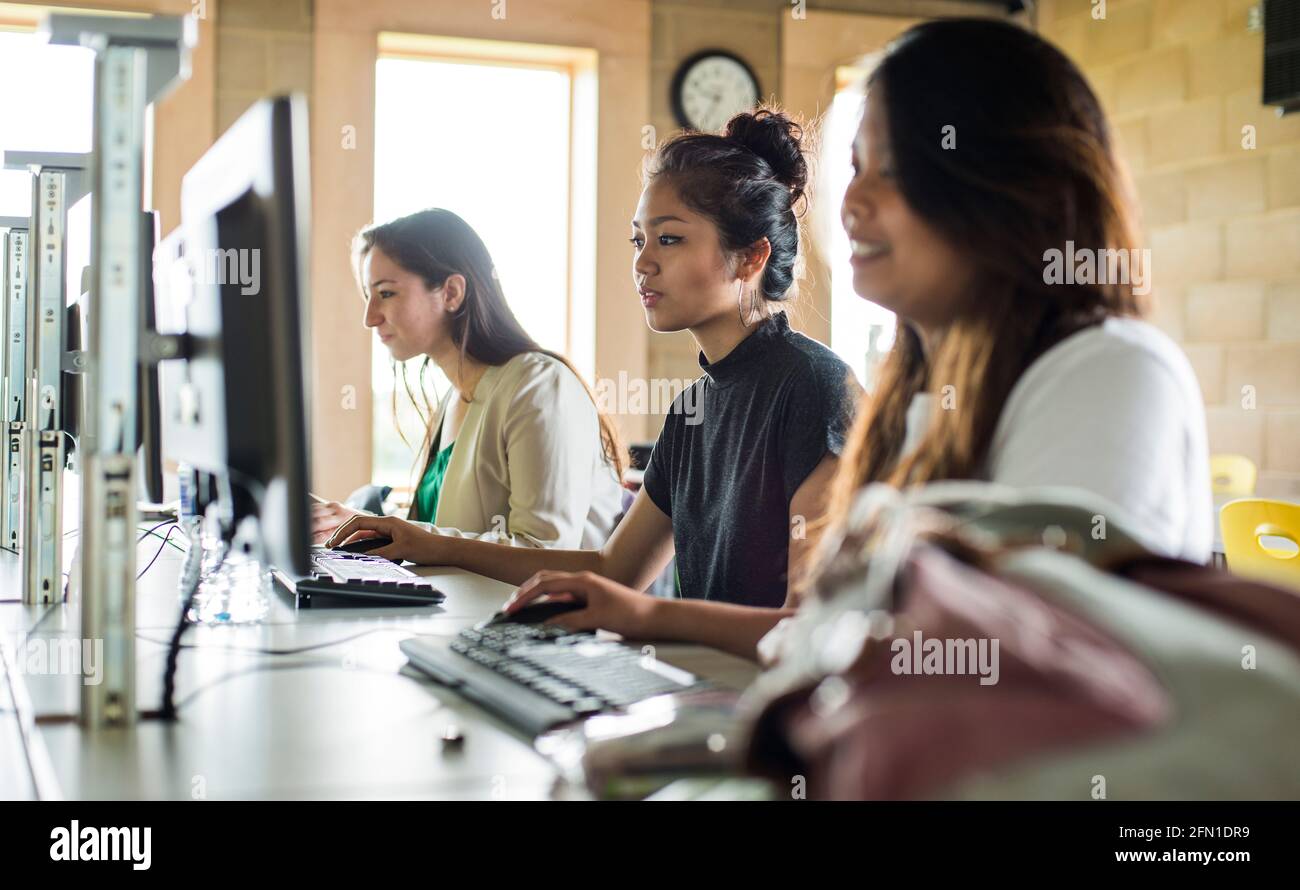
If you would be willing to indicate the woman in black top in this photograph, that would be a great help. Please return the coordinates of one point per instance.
(737, 482)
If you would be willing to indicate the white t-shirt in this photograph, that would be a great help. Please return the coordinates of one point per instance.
(1114, 409)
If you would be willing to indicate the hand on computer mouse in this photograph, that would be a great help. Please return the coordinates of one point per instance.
(359, 544)
(538, 611)
(409, 541)
(326, 516)
(606, 604)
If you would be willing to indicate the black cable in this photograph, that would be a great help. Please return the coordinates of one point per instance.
(271, 666)
(152, 531)
(147, 533)
(171, 544)
(260, 650)
(155, 529)
(168, 709)
(161, 714)
(161, 547)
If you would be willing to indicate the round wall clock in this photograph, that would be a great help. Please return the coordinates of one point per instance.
(710, 87)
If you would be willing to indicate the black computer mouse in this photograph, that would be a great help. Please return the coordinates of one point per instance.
(536, 613)
(365, 545)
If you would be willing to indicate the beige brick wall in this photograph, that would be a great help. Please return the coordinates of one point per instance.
(1180, 80)
(263, 48)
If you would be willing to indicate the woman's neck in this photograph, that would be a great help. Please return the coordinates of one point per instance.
(723, 333)
(461, 369)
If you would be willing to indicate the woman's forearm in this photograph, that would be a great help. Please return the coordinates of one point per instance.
(513, 565)
(726, 626)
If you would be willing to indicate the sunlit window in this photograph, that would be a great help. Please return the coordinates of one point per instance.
(861, 331)
(53, 112)
(491, 143)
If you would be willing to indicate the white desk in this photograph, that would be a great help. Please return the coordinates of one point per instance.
(348, 721)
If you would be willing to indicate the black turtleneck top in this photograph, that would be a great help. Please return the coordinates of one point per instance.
(735, 447)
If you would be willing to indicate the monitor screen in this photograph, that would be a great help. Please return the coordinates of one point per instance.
(237, 406)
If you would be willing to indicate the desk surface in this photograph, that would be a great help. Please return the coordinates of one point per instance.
(349, 720)
(346, 721)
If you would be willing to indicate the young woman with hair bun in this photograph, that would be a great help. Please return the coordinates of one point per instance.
(739, 476)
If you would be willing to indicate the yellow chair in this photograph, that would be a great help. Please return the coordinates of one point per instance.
(1232, 474)
(1244, 522)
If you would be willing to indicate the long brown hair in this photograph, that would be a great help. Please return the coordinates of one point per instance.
(436, 244)
(1033, 168)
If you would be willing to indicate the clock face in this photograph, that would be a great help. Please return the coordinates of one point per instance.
(712, 87)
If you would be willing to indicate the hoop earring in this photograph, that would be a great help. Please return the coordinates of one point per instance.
(755, 308)
(740, 303)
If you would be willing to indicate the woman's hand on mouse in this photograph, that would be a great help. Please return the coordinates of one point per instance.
(326, 516)
(607, 604)
(410, 542)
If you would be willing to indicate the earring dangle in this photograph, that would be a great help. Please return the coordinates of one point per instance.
(755, 308)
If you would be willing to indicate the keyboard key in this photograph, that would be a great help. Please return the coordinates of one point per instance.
(584, 706)
(567, 695)
(573, 670)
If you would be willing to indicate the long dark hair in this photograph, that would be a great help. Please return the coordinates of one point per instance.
(436, 244)
(1033, 167)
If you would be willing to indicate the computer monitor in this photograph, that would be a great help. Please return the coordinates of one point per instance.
(173, 284)
(78, 278)
(71, 408)
(148, 419)
(238, 408)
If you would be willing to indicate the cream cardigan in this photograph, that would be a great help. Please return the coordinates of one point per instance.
(528, 467)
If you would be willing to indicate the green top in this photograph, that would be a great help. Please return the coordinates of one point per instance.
(426, 495)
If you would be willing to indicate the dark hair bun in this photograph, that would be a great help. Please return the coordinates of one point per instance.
(777, 139)
(748, 181)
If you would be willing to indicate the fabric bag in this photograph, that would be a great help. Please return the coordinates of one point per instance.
(1117, 674)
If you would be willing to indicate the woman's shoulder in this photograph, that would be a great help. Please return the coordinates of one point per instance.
(530, 362)
(1125, 352)
(1122, 374)
(815, 353)
(818, 370)
(540, 377)
(533, 365)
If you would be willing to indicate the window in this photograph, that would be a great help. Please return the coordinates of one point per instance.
(491, 138)
(861, 331)
(56, 117)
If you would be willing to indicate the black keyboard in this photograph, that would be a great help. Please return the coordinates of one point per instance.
(360, 579)
(536, 677)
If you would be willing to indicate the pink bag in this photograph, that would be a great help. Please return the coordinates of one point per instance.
(877, 732)
(1164, 678)
(1274, 611)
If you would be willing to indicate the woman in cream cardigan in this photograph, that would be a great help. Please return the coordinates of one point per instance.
(516, 452)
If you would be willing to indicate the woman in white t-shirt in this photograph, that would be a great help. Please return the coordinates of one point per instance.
(984, 166)
(998, 226)
(982, 151)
